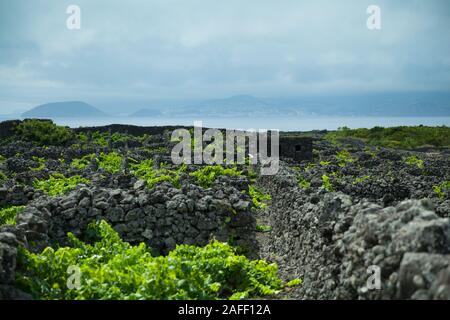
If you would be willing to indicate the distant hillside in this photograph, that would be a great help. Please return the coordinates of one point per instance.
(379, 105)
(146, 113)
(67, 109)
(415, 104)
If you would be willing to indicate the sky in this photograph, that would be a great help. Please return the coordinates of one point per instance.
(131, 52)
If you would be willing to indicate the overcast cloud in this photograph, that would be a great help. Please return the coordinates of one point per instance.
(135, 51)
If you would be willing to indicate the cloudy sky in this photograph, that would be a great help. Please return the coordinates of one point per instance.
(130, 52)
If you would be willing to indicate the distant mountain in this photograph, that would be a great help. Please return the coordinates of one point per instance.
(433, 104)
(67, 109)
(412, 104)
(379, 105)
(146, 113)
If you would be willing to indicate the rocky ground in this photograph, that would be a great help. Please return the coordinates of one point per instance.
(352, 209)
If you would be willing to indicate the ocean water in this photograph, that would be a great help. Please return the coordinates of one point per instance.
(245, 123)
(280, 123)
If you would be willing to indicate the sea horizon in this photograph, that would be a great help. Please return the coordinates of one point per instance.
(307, 123)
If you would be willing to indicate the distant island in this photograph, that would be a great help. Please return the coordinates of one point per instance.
(247, 106)
(436, 104)
(67, 109)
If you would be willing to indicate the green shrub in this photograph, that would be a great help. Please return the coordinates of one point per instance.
(8, 215)
(144, 138)
(343, 157)
(110, 162)
(369, 151)
(326, 183)
(58, 184)
(359, 180)
(3, 177)
(43, 132)
(119, 137)
(144, 170)
(303, 183)
(263, 228)
(113, 269)
(150, 151)
(259, 199)
(294, 283)
(100, 139)
(441, 189)
(208, 174)
(82, 163)
(82, 137)
(41, 164)
(414, 161)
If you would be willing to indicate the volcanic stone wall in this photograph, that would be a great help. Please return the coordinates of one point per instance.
(334, 242)
(162, 217)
